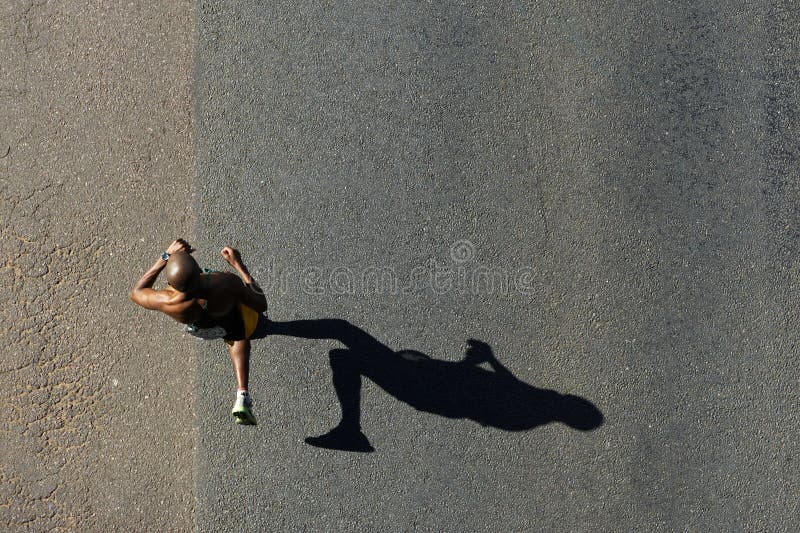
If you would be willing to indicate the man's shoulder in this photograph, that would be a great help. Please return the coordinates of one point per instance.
(154, 299)
(176, 305)
(169, 296)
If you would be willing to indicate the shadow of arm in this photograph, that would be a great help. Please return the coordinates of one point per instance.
(328, 328)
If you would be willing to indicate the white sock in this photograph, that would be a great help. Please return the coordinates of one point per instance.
(242, 393)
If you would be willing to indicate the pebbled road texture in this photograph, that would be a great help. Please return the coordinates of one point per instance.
(96, 170)
(605, 194)
(632, 166)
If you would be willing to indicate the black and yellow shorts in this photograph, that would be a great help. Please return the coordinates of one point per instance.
(242, 325)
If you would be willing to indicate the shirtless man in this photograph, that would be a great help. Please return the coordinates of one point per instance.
(212, 304)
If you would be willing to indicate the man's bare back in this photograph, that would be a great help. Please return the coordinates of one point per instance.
(220, 293)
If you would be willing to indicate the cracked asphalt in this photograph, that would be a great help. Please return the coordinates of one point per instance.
(96, 173)
(605, 193)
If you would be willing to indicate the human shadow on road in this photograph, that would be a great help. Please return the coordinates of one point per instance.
(454, 390)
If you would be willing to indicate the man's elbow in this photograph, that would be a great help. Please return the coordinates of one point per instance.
(134, 296)
(256, 299)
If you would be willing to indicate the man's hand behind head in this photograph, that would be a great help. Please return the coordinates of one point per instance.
(179, 245)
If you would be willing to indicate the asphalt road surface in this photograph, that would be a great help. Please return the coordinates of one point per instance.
(604, 193)
(96, 174)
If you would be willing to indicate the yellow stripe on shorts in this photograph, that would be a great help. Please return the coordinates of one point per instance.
(250, 319)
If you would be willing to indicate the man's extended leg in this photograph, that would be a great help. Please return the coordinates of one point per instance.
(240, 357)
(347, 383)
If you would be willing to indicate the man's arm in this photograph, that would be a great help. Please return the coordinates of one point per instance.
(143, 293)
(252, 295)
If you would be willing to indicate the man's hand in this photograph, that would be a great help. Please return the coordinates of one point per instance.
(232, 256)
(179, 245)
(252, 295)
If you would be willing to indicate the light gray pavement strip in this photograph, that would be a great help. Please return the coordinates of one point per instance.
(95, 124)
(641, 159)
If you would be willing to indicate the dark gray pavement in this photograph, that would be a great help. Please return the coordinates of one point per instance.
(629, 170)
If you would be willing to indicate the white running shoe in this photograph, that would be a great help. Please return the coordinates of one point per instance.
(243, 410)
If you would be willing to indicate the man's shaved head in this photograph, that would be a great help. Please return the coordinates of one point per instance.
(181, 271)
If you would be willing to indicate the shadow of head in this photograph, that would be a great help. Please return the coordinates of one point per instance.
(477, 352)
(578, 413)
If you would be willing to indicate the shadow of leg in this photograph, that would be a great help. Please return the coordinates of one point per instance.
(347, 435)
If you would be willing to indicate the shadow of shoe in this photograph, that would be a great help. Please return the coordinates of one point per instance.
(342, 439)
